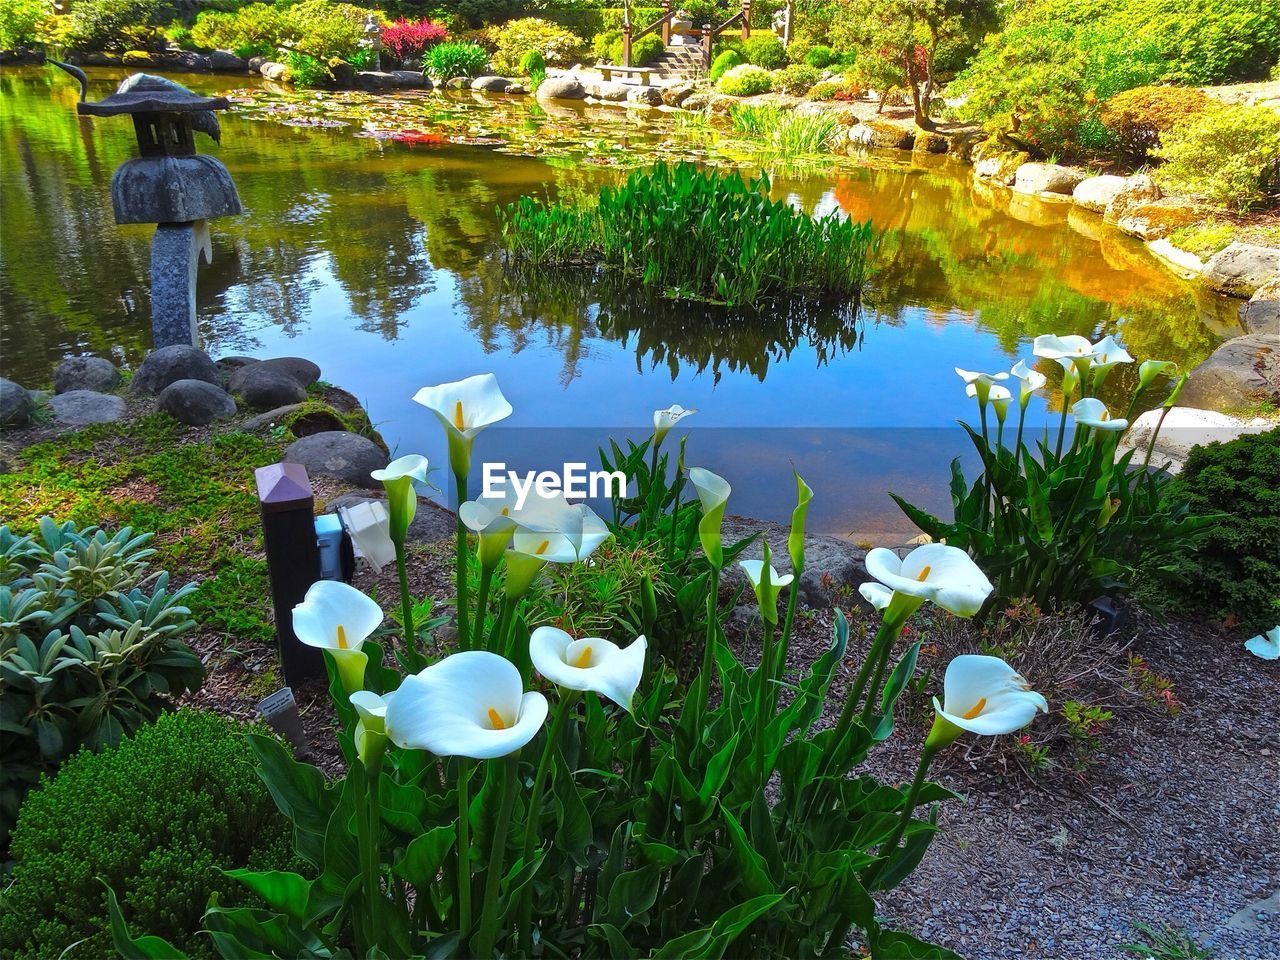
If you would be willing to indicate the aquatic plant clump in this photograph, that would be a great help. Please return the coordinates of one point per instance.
(697, 235)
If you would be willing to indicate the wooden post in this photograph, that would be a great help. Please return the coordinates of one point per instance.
(626, 44)
(666, 23)
(706, 47)
(293, 559)
(786, 23)
(746, 20)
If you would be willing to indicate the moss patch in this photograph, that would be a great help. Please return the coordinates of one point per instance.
(1206, 238)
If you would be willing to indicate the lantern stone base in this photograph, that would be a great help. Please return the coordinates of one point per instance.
(175, 255)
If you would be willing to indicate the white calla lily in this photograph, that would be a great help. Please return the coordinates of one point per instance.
(371, 728)
(1265, 645)
(981, 383)
(983, 695)
(664, 420)
(574, 536)
(999, 397)
(1148, 370)
(336, 617)
(397, 478)
(1066, 350)
(1092, 412)
(876, 594)
(934, 571)
(471, 704)
(464, 408)
(713, 493)
(1029, 379)
(590, 664)
(766, 596)
(1108, 353)
(493, 520)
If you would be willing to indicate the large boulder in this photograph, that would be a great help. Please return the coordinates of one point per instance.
(881, 133)
(1137, 190)
(339, 454)
(1262, 313)
(1046, 178)
(1157, 219)
(993, 162)
(931, 142)
(1241, 268)
(79, 408)
(610, 91)
(677, 93)
(412, 79)
(273, 71)
(15, 404)
(85, 373)
(177, 362)
(644, 96)
(195, 402)
(1241, 371)
(1184, 428)
(225, 60)
(831, 565)
(264, 388)
(561, 88)
(490, 84)
(296, 368)
(1096, 193)
(697, 103)
(376, 80)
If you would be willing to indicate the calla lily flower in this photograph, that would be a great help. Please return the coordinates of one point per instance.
(592, 664)
(999, 396)
(493, 520)
(471, 704)
(1148, 370)
(876, 594)
(1071, 349)
(371, 728)
(766, 596)
(946, 575)
(713, 493)
(1108, 353)
(1265, 645)
(1030, 379)
(338, 618)
(981, 383)
(570, 538)
(1092, 412)
(397, 478)
(983, 695)
(664, 420)
(464, 408)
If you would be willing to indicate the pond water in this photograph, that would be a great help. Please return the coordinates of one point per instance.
(370, 245)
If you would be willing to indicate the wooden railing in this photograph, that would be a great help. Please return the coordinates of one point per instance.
(707, 33)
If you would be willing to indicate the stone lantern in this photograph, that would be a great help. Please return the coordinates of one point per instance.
(172, 186)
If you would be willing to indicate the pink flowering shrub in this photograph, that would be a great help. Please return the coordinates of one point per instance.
(410, 39)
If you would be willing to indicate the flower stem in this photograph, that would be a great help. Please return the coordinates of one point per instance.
(1062, 425)
(1151, 445)
(890, 846)
(460, 565)
(779, 665)
(762, 694)
(406, 600)
(482, 600)
(497, 862)
(464, 848)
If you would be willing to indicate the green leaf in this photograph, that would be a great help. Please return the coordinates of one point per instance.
(142, 948)
(896, 945)
(298, 790)
(898, 679)
(425, 855)
(710, 943)
(286, 892)
(573, 828)
(751, 868)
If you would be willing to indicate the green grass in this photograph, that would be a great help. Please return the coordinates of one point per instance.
(1206, 238)
(785, 132)
(1168, 943)
(694, 234)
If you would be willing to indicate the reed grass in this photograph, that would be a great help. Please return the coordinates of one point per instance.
(695, 234)
(786, 132)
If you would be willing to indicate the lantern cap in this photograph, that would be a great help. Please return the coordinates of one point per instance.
(146, 93)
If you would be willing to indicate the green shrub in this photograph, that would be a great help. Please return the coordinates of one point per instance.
(602, 45)
(704, 236)
(1229, 156)
(646, 50)
(324, 30)
(307, 71)
(825, 90)
(533, 64)
(1137, 118)
(745, 80)
(765, 50)
(724, 62)
(18, 22)
(798, 78)
(86, 653)
(456, 58)
(820, 57)
(157, 818)
(558, 46)
(107, 24)
(1234, 576)
(256, 26)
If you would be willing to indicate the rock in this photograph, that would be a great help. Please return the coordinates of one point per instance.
(1046, 178)
(561, 88)
(229, 365)
(15, 404)
(964, 143)
(677, 93)
(881, 133)
(830, 563)
(79, 408)
(343, 74)
(297, 368)
(412, 79)
(1137, 190)
(375, 80)
(644, 96)
(1184, 428)
(1096, 193)
(85, 373)
(456, 83)
(195, 402)
(1155, 220)
(611, 91)
(228, 61)
(697, 103)
(191, 61)
(490, 84)
(1241, 268)
(431, 524)
(319, 420)
(1184, 264)
(340, 454)
(931, 142)
(1242, 370)
(722, 104)
(263, 388)
(273, 71)
(1262, 313)
(516, 90)
(991, 162)
(255, 64)
(177, 362)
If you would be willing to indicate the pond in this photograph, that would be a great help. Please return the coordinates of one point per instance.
(370, 244)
